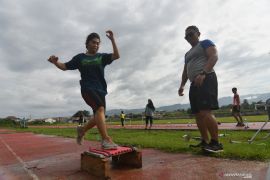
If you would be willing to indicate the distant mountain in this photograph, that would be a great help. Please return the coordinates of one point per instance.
(162, 108)
(173, 107)
(127, 111)
(250, 98)
(222, 102)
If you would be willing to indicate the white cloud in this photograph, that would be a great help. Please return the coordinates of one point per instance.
(150, 39)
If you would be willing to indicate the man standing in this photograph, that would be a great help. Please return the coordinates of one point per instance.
(81, 119)
(236, 108)
(198, 68)
(122, 117)
(267, 103)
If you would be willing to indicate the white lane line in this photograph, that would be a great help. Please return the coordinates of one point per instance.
(30, 173)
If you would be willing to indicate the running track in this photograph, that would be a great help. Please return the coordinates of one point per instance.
(26, 156)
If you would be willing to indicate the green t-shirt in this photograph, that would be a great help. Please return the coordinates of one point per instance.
(92, 70)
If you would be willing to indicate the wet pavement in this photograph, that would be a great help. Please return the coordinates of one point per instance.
(32, 156)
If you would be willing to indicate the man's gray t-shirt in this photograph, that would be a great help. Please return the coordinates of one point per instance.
(196, 59)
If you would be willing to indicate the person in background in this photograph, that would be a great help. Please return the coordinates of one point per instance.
(236, 108)
(81, 119)
(149, 113)
(122, 117)
(267, 104)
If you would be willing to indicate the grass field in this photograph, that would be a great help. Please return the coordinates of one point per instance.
(258, 118)
(173, 141)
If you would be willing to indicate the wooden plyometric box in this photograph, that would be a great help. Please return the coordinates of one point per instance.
(98, 161)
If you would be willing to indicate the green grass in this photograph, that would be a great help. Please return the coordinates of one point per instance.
(173, 141)
(258, 118)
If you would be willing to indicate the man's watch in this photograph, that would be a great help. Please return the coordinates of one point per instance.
(203, 72)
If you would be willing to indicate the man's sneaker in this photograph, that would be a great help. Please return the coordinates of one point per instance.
(108, 145)
(80, 135)
(214, 147)
(202, 144)
(242, 125)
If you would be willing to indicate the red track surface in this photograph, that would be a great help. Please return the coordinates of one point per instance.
(30, 156)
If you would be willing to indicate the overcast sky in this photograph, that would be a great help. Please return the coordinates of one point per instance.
(150, 38)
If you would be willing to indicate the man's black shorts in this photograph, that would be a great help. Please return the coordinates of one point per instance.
(94, 99)
(204, 97)
(235, 109)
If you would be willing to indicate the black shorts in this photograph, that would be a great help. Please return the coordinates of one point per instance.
(94, 99)
(235, 109)
(149, 119)
(204, 97)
